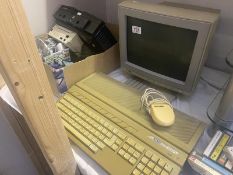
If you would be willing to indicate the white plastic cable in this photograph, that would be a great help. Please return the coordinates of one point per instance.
(151, 96)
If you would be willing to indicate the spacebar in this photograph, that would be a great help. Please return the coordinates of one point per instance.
(111, 162)
(106, 157)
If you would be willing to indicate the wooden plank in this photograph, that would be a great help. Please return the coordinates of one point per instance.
(23, 72)
(21, 129)
(2, 82)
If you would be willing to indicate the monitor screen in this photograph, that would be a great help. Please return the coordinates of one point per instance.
(160, 48)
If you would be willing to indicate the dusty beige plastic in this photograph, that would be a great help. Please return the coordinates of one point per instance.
(162, 114)
(103, 117)
(202, 20)
(67, 37)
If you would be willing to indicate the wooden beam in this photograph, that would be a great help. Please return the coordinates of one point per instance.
(23, 72)
(2, 82)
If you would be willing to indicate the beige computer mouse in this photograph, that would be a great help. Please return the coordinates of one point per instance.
(162, 114)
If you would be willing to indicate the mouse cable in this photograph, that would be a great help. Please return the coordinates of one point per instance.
(151, 96)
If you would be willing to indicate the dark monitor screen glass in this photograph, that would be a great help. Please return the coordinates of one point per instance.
(160, 48)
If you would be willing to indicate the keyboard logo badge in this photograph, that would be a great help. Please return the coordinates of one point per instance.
(159, 142)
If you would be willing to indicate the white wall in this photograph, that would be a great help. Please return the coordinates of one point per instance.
(95, 7)
(223, 40)
(40, 13)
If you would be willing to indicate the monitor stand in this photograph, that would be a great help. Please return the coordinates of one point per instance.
(140, 84)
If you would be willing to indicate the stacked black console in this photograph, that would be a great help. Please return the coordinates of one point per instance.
(92, 30)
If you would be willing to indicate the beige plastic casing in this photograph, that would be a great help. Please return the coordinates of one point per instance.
(67, 37)
(189, 17)
(162, 114)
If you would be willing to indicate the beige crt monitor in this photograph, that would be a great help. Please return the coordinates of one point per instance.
(165, 43)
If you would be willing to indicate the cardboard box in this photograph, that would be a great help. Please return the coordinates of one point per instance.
(104, 62)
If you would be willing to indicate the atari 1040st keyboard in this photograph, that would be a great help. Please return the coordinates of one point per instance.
(119, 141)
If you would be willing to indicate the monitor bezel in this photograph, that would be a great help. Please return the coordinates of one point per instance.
(197, 59)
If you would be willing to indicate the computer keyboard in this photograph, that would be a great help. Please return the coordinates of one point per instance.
(97, 133)
(118, 144)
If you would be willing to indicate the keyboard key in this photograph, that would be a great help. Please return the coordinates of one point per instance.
(115, 131)
(108, 142)
(127, 156)
(145, 160)
(102, 111)
(96, 107)
(93, 148)
(106, 124)
(140, 166)
(108, 115)
(77, 126)
(122, 124)
(155, 158)
(126, 147)
(110, 127)
(114, 147)
(131, 129)
(97, 119)
(97, 133)
(118, 141)
(85, 100)
(139, 147)
(90, 113)
(136, 172)
(136, 154)
(109, 135)
(149, 154)
(153, 173)
(121, 135)
(131, 150)
(146, 171)
(88, 127)
(131, 141)
(96, 125)
(164, 173)
(95, 140)
(151, 165)
(90, 136)
(102, 121)
(115, 120)
(86, 133)
(132, 160)
(101, 137)
(157, 169)
(168, 168)
(100, 144)
(121, 152)
(92, 130)
(105, 131)
(100, 128)
(85, 125)
(161, 163)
